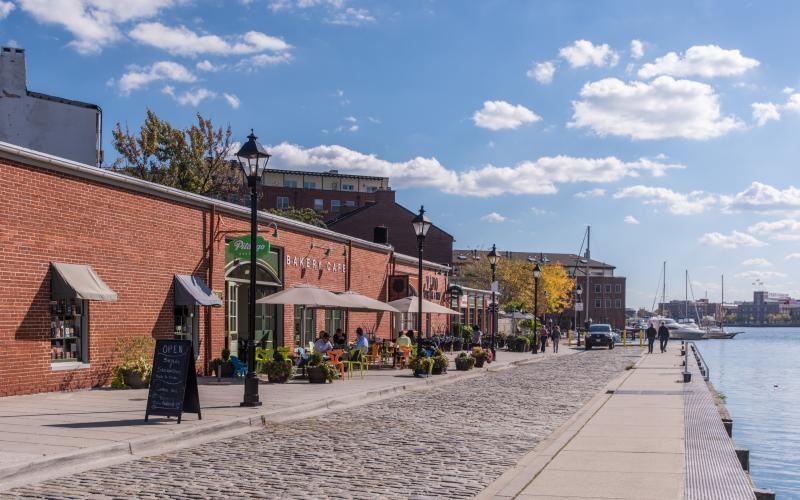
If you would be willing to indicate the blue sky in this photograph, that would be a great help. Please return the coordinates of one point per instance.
(670, 127)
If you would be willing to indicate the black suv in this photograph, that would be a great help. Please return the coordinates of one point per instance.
(600, 334)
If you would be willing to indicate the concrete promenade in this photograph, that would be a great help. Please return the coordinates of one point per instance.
(45, 435)
(644, 437)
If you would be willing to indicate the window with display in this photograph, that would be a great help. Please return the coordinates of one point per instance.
(68, 330)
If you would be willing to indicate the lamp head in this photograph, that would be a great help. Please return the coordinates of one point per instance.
(421, 223)
(253, 158)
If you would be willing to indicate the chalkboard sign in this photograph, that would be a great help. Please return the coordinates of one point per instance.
(173, 385)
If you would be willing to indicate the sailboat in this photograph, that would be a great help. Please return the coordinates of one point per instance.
(677, 331)
(719, 332)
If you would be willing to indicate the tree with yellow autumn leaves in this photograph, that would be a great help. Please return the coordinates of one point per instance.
(516, 286)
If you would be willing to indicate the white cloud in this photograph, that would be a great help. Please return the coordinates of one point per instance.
(734, 240)
(793, 256)
(337, 11)
(182, 41)
(780, 230)
(764, 112)
(263, 60)
(637, 49)
(232, 100)
(691, 203)
(350, 17)
(498, 115)
(540, 211)
(208, 66)
(190, 97)
(93, 23)
(763, 198)
(542, 72)
(659, 109)
(630, 219)
(493, 217)
(540, 176)
(591, 193)
(279, 5)
(756, 262)
(706, 61)
(584, 53)
(751, 275)
(787, 90)
(6, 8)
(138, 77)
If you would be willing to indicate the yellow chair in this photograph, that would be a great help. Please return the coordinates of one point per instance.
(357, 358)
(374, 356)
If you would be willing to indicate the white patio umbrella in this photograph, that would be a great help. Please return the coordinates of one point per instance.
(409, 305)
(305, 296)
(357, 302)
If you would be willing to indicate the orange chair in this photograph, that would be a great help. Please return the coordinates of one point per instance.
(333, 357)
(374, 356)
(405, 355)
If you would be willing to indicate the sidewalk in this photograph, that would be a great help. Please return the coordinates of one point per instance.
(630, 442)
(44, 435)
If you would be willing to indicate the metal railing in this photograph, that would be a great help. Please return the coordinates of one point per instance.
(701, 363)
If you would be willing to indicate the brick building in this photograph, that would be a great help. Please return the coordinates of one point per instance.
(386, 221)
(606, 296)
(74, 237)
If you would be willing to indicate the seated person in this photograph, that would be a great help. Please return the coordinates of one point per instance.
(361, 341)
(403, 340)
(323, 343)
(338, 338)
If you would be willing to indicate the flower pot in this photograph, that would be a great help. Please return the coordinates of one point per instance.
(133, 380)
(687, 377)
(421, 373)
(535, 348)
(479, 362)
(436, 371)
(278, 379)
(463, 364)
(316, 374)
(226, 369)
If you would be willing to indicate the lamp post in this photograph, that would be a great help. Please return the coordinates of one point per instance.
(253, 159)
(421, 225)
(578, 292)
(537, 273)
(493, 257)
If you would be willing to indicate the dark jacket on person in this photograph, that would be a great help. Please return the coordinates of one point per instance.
(663, 332)
(651, 332)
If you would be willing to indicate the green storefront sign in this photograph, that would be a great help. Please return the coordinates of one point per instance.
(239, 248)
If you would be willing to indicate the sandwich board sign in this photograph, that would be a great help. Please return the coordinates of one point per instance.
(173, 384)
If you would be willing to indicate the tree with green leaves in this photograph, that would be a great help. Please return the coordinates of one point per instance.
(306, 215)
(195, 159)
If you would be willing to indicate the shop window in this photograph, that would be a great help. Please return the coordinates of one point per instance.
(334, 318)
(598, 288)
(318, 205)
(69, 329)
(187, 325)
(283, 202)
(309, 185)
(336, 206)
(290, 184)
(408, 321)
(310, 326)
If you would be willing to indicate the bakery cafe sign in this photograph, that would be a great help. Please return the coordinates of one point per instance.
(314, 264)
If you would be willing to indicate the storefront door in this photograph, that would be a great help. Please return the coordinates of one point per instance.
(238, 310)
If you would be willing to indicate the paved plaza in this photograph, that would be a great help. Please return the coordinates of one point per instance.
(450, 441)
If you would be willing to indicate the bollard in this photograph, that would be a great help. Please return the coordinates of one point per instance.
(624, 337)
(687, 375)
(641, 337)
(569, 337)
(743, 454)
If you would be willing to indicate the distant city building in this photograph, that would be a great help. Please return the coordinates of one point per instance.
(606, 303)
(768, 308)
(54, 125)
(692, 309)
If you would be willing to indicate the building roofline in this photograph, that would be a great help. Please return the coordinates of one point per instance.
(71, 102)
(50, 162)
(570, 260)
(325, 174)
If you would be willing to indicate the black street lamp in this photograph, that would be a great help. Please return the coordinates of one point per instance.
(537, 273)
(253, 159)
(421, 225)
(493, 257)
(578, 292)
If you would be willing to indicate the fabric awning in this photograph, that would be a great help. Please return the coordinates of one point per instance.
(80, 282)
(192, 291)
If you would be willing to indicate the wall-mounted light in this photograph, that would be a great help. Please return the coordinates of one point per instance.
(275, 232)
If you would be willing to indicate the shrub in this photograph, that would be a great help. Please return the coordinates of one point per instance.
(136, 356)
(464, 362)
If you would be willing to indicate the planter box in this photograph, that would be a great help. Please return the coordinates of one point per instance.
(226, 369)
(316, 375)
(437, 371)
(133, 380)
(479, 363)
(421, 373)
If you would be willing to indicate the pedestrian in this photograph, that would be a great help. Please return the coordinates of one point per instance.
(651, 338)
(543, 338)
(555, 336)
(477, 336)
(663, 336)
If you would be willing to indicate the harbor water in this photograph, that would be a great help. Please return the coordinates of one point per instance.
(759, 374)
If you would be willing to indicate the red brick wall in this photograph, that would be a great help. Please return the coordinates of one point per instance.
(304, 198)
(136, 243)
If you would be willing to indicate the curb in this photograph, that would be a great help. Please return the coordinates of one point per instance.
(520, 475)
(54, 466)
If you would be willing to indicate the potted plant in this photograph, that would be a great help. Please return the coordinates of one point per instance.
(522, 343)
(136, 362)
(279, 369)
(480, 356)
(464, 362)
(440, 363)
(466, 336)
(319, 370)
(222, 366)
(422, 365)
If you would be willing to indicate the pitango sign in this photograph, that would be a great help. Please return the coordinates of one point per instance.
(314, 264)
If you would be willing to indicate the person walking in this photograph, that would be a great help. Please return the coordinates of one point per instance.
(555, 336)
(543, 338)
(477, 336)
(651, 338)
(663, 336)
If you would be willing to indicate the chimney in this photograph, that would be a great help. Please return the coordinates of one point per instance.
(384, 196)
(12, 71)
(380, 234)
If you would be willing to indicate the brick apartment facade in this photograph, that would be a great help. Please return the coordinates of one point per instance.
(136, 236)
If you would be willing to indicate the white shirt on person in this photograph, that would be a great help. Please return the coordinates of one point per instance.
(322, 346)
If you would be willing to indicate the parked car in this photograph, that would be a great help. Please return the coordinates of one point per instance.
(600, 334)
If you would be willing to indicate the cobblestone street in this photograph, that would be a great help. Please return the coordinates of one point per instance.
(450, 441)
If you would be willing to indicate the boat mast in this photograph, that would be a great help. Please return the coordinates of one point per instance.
(664, 288)
(722, 303)
(588, 256)
(686, 294)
